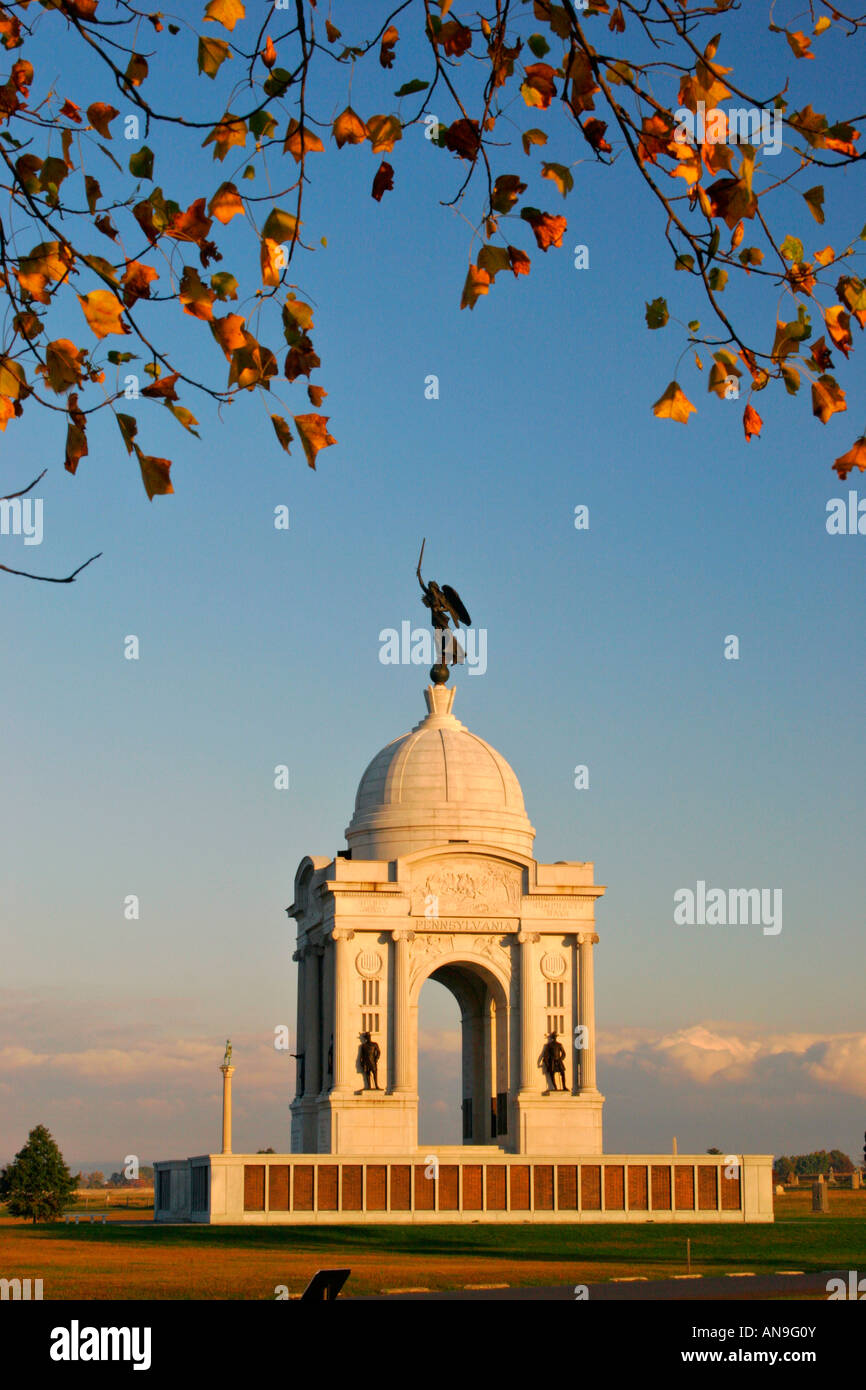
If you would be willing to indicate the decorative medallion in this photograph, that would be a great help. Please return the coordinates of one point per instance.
(552, 966)
(368, 963)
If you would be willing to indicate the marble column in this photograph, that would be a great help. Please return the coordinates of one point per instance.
(528, 1050)
(400, 1012)
(343, 1011)
(228, 1073)
(300, 1035)
(313, 1021)
(586, 985)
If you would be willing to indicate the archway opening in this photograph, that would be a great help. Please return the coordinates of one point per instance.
(439, 1065)
(478, 1058)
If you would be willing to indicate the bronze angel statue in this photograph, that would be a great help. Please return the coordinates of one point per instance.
(446, 606)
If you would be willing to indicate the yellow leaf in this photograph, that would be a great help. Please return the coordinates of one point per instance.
(7, 412)
(826, 256)
(299, 143)
(384, 131)
(273, 260)
(562, 177)
(104, 312)
(349, 129)
(224, 12)
(673, 405)
(64, 363)
(533, 137)
(823, 25)
(477, 283)
(231, 130)
(225, 203)
(314, 435)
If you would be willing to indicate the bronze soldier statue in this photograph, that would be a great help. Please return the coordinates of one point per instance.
(370, 1054)
(553, 1060)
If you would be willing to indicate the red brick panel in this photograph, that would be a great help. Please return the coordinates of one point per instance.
(495, 1179)
(614, 1187)
(519, 1186)
(377, 1187)
(401, 1192)
(730, 1193)
(566, 1186)
(254, 1187)
(278, 1187)
(685, 1186)
(590, 1186)
(542, 1186)
(708, 1187)
(638, 1199)
(661, 1187)
(425, 1189)
(473, 1190)
(302, 1187)
(328, 1184)
(353, 1187)
(449, 1187)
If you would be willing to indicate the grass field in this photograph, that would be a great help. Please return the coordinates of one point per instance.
(138, 1260)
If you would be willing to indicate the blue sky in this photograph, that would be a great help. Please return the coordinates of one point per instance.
(605, 648)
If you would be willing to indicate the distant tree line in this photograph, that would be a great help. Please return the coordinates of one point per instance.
(807, 1165)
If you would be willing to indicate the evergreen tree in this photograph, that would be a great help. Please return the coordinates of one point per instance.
(37, 1183)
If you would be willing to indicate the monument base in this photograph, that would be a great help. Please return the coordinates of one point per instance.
(450, 1184)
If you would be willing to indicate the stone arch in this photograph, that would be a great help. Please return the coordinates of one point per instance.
(482, 989)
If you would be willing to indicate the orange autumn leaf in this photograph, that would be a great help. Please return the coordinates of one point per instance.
(855, 458)
(548, 229)
(64, 365)
(136, 282)
(228, 331)
(520, 262)
(154, 474)
(314, 435)
(282, 431)
(230, 131)
(316, 394)
(384, 132)
(386, 50)
(477, 283)
(838, 323)
(300, 142)
(71, 111)
(752, 422)
(538, 87)
(226, 203)
(827, 398)
(269, 53)
(224, 12)
(191, 225)
(162, 389)
(273, 261)
(7, 412)
(195, 297)
(349, 129)
(672, 404)
(104, 312)
(799, 44)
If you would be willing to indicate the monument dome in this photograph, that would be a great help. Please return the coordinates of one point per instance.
(438, 784)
